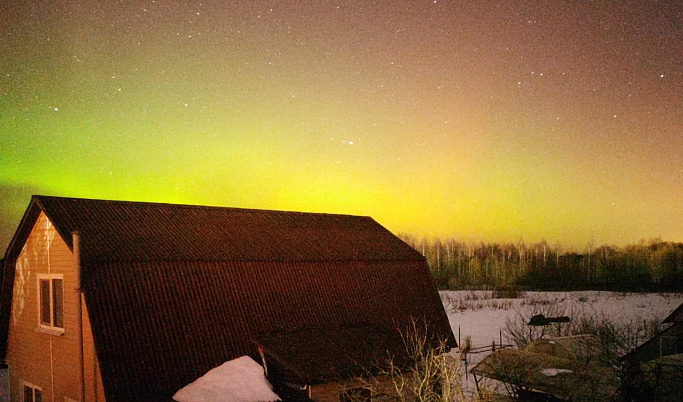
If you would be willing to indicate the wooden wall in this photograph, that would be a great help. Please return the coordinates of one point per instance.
(49, 361)
(382, 389)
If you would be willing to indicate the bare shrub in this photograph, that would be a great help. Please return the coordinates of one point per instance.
(613, 339)
(508, 292)
(432, 374)
(519, 374)
(476, 300)
(534, 299)
(518, 332)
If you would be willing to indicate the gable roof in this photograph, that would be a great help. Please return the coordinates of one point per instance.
(174, 290)
(140, 231)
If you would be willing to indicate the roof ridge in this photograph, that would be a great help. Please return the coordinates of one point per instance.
(119, 230)
(198, 206)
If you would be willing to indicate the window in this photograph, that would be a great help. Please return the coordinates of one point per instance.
(31, 393)
(51, 303)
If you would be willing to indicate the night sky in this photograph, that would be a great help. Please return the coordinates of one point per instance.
(478, 120)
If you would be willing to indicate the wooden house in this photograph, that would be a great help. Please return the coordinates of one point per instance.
(131, 301)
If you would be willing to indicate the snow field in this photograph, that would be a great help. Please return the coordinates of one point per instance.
(482, 318)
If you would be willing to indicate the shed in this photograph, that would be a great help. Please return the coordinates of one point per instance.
(668, 341)
(556, 368)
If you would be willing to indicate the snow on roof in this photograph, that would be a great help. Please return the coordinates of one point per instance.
(238, 380)
(552, 372)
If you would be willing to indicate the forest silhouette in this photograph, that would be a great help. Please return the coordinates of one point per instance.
(649, 266)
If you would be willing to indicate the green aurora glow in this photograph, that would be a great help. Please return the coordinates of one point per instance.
(478, 120)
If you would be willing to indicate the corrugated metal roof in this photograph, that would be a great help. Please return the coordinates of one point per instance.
(137, 231)
(314, 356)
(173, 291)
(160, 325)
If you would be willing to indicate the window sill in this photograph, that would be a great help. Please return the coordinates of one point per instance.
(51, 330)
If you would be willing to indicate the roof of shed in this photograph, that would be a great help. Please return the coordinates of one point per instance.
(584, 347)
(173, 291)
(312, 356)
(662, 343)
(562, 377)
(675, 316)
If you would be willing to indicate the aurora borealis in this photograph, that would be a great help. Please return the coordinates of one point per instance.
(484, 120)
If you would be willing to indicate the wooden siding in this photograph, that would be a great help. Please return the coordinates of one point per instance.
(330, 392)
(46, 360)
(383, 389)
(94, 389)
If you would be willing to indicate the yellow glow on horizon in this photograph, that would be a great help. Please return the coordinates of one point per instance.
(438, 119)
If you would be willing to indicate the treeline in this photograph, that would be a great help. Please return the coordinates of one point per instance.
(648, 266)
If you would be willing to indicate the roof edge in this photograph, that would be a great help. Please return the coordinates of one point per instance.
(267, 352)
(28, 220)
(186, 205)
(672, 317)
(23, 230)
(21, 234)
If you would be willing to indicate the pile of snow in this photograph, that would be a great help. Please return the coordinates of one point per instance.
(552, 372)
(238, 380)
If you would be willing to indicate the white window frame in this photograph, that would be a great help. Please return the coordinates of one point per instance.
(33, 387)
(50, 327)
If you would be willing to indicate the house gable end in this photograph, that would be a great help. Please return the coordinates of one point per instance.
(44, 349)
(16, 245)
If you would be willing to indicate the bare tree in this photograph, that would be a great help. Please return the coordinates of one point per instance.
(432, 374)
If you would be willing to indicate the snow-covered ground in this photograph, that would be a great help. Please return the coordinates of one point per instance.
(476, 314)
